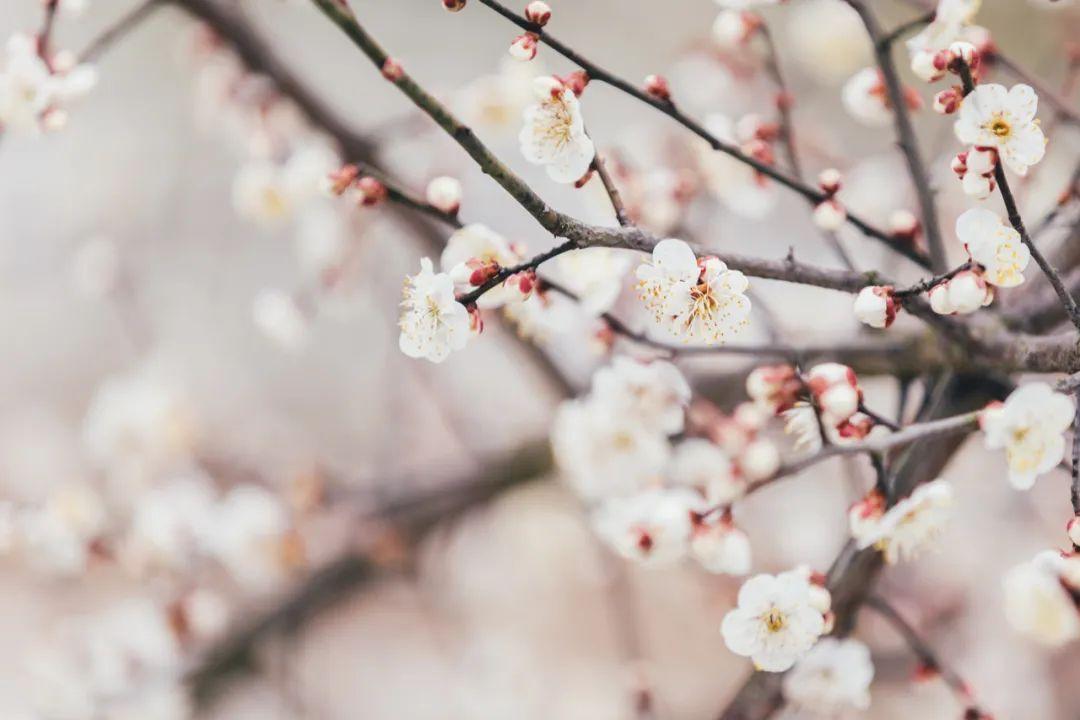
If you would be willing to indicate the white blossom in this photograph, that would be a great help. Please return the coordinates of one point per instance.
(700, 464)
(1030, 425)
(595, 275)
(994, 245)
(250, 535)
(603, 453)
(1037, 602)
(743, 190)
(760, 460)
(652, 527)
(700, 300)
(908, 527)
(655, 394)
(32, 96)
(875, 306)
(964, 293)
(832, 679)
(865, 98)
(554, 133)
(801, 421)
(260, 193)
(721, 548)
(56, 535)
(775, 622)
(444, 193)
(992, 116)
(433, 323)
(170, 524)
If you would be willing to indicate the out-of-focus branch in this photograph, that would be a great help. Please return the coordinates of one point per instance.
(595, 72)
(406, 520)
(926, 654)
(127, 22)
(905, 133)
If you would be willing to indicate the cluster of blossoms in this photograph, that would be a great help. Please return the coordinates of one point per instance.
(654, 502)
(695, 299)
(36, 89)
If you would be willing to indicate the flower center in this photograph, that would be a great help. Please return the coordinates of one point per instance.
(1000, 127)
(774, 620)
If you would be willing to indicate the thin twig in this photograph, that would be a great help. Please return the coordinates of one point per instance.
(1018, 222)
(906, 138)
(595, 72)
(127, 22)
(611, 189)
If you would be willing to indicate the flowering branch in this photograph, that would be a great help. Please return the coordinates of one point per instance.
(905, 135)
(929, 659)
(595, 72)
(1018, 223)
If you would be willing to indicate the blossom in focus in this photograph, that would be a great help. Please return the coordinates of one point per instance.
(832, 679)
(33, 96)
(652, 527)
(951, 17)
(700, 300)
(655, 394)
(964, 293)
(776, 621)
(700, 464)
(554, 132)
(595, 275)
(433, 323)
(994, 245)
(876, 306)
(994, 117)
(474, 254)
(1039, 600)
(908, 527)
(604, 453)
(1031, 426)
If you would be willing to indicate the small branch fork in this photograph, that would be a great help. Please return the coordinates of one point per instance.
(1018, 223)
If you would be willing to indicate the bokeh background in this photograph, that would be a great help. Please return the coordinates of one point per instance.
(512, 610)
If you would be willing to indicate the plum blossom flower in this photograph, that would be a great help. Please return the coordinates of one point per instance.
(994, 245)
(721, 548)
(876, 306)
(433, 323)
(655, 394)
(994, 117)
(603, 453)
(1030, 425)
(251, 536)
(554, 132)
(908, 527)
(832, 679)
(652, 527)
(695, 299)
(975, 168)
(474, 254)
(700, 464)
(595, 275)
(1038, 601)
(775, 622)
(867, 100)
(444, 194)
(33, 95)
(801, 421)
(773, 387)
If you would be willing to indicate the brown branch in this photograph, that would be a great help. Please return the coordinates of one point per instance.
(906, 138)
(813, 195)
(926, 654)
(611, 189)
(127, 22)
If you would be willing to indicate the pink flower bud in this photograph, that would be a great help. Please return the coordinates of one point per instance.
(830, 180)
(576, 81)
(876, 306)
(904, 225)
(584, 179)
(968, 292)
(948, 101)
(959, 164)
(392, 70)
(538, 13)
(964, 51)
(524, 47)
(523, 283)
(982, 160)
(657, 86)
(830, 215)
(912, 99)
(370, 191)
(774, 387)
(978, 186)
(839, 402)
(453, 5)
(444, 194)
(339, 181)
(925, 68)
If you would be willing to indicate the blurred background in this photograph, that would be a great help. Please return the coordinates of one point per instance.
(220, 473)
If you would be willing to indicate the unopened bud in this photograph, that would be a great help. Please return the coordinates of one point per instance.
(524, 47)
(576, 81)
(392, 70)
(925, 68)
(876, 306)
(444, 194)
(735, 27)
(657, 86)
(523, 283)
(453, 5)
(903, 224)
(538, 13)
(830, 215)
(948, 101)
(1073, 528)
(830, 180)
(370, 191)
